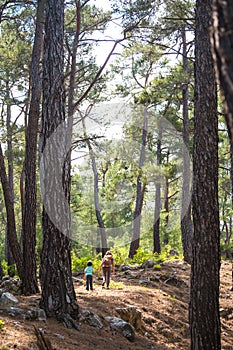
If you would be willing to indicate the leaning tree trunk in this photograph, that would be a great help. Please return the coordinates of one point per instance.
(204, 298)
(29, 282)
(58, 296)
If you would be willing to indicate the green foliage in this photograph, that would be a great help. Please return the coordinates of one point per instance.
(226, 250)
(143, 255)
(4, 267)
(2, 324)
(9, 269)
(116, 285)
(79, 263)
(120, 255)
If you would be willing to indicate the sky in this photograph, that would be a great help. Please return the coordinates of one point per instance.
(113, 32)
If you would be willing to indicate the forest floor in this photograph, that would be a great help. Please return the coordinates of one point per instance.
(162, 302)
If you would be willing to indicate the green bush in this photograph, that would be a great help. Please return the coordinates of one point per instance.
(2, 324)
(9, 269)
(79, 263)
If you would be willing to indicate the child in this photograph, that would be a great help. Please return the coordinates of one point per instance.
(108, 266)
(88, 275)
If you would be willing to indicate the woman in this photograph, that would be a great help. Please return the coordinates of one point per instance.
(108, 267)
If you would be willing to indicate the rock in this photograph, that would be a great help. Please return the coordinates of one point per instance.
(35, 314)
(14, 311)
(10, 284)
(225, 313)
(131, 315)
(59, 336)
(173, 252)
(77, 280)
(5, 278)
(122, 327)
(8, 299)
(148, 264)
(91, 318)
(34, 302)
(143, 282)
(154, 278)
(125, 268)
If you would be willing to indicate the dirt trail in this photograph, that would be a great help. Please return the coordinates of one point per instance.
(161, 295)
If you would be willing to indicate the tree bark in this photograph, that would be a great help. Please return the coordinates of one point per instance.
(101, 229)
(58, 295)
(9, 204)
(141, 187)
(186, 221)
(29, 281)
(222, 46)
(157, 210)
(204, 295)
(10, 172)
(1, 271)
(222, 50)
(166, 204)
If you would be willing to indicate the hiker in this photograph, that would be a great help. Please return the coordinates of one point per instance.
(108, 267)
(88, 275)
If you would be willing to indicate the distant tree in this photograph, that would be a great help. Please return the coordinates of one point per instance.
(101, 227)
(157, 208)
(15, 51)
(204, 294)
(140, 190)
(11, 224)
(58, 296)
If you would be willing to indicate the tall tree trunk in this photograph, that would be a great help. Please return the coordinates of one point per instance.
(9, 256)
(222, 50)
(204, 297)
(231, 169)
(186, 222)
(1, 271)
(166, 204)
(101, 229)
(58, 296)
(157, 210)
(141, 187)
(9, 204)
(29, 282)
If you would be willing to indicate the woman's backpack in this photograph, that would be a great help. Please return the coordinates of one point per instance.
(107, 261)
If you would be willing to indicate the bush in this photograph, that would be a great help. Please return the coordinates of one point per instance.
(2, 324)
(79, 263)
(9, 269)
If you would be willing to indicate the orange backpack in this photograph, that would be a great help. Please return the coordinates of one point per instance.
(107, 261)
